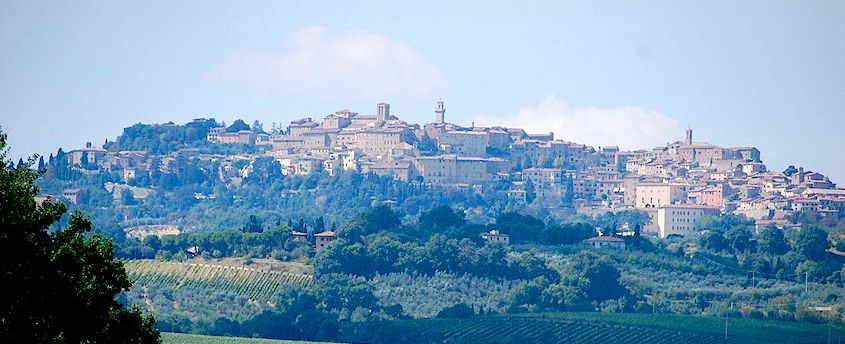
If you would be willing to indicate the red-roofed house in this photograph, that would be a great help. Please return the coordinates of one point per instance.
(323, 239)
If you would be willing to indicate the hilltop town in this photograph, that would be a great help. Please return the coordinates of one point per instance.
(676, 184)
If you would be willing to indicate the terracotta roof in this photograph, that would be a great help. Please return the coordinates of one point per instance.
(325, 234)
(604, 239)
(687, 206)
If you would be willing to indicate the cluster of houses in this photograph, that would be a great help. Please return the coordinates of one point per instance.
(677, 184)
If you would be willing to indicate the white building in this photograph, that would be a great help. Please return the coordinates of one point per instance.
(682, 220)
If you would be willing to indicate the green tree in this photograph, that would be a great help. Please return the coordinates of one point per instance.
(338, 291)
(596, 277)
(225, 327)
(739, 239)
(771, 241)
(374, 220)
(812, 243)
(521, 228)
(237, 126)
(253, 225)
(460, 310)
(790, 170)
(258, 127)
(126, 197)
(441, 217)
(713, 240)
(58, 287)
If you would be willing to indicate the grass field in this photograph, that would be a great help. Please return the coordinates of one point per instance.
(257, 284)
(178, 338)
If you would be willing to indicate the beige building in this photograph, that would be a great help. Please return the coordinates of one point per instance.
(606, 242)
(496, 236)
(451, 169)
(72, 195)
(214, 134)
(398, 170)
(89, 155)
(548, 182)
(655, 195)
(703, 152)
(244, 136)
(379, 141)
(318, 138)
(682, 220)
(464, 143)
(300, 126)
(323, 239)
(280, 142)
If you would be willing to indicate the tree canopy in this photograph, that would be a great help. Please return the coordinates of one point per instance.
(58, 287)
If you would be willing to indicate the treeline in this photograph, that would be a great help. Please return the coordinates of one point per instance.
(162, 139)
(385, 255)
(441, 240)
(276, 242)
(799, 255)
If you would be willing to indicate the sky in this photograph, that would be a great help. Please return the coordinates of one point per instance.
(769, 74)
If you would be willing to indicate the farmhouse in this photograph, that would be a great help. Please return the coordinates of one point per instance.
(495, 236)
(323, 239)
(606, 241)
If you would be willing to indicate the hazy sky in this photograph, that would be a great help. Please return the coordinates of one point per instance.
(769, 74)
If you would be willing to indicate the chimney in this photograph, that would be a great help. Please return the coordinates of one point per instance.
(88, 144)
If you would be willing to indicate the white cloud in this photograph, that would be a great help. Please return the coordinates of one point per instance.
(629, 127)
(356, 63)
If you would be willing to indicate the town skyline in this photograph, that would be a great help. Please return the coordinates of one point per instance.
(727, 70)
(484, 122)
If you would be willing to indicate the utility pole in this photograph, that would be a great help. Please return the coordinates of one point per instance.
(806, 277)
(726, 326)
(653, 299)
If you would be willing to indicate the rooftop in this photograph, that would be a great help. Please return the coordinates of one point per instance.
(604, 239)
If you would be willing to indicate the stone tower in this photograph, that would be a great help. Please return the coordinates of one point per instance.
(688, 140)
(383, 112)
(440, 112)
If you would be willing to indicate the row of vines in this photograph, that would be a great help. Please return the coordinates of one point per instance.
(261, 285)
(506, 329)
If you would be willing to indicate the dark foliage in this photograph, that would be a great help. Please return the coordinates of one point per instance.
(58, 287)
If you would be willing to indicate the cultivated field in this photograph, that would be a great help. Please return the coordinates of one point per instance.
(256, 284)
(622, 328)
(178, 338)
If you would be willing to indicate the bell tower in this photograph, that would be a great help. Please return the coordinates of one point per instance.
(383, 113)
(440, 112)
